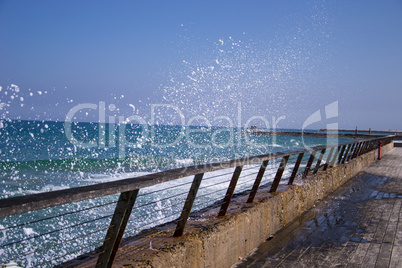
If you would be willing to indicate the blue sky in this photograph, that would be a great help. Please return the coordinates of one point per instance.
(268, 59)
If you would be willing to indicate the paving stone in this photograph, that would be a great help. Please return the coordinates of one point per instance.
(384, 256)
(396, 257)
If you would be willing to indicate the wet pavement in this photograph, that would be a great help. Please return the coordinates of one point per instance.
(358, 225)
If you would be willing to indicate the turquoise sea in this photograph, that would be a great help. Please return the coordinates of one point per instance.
(40, 156)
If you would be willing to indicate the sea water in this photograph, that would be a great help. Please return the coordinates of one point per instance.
(38, 156)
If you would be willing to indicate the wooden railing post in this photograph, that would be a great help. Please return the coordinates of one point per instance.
(350, 152)
(257, 181)
(319, 161)
(335, 157)
(340, 156)
(279, 174)
(367, 149)
(309, 163)
(230, 191)
(327, 162)
(356, 153)
(373, 145)
(379, 150)
(295, 169)
(185, 213)
(355, 150)
(116, 230)
(361, 150)
(346, 154)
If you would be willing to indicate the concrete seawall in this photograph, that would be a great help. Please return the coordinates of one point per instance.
(211, 241)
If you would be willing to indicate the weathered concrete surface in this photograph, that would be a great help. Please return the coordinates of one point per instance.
(359, 225)
(209, 241)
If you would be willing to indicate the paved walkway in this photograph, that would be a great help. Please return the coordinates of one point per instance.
(359, 225)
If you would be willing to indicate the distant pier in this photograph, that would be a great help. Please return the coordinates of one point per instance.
(390, 132)
(304, 134)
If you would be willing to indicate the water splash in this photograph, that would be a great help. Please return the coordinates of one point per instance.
(277, 76)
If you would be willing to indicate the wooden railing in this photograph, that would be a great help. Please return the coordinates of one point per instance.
(297, 162)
